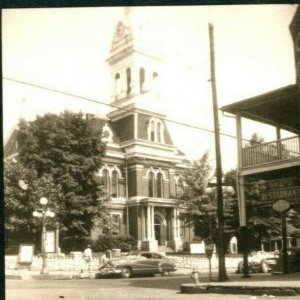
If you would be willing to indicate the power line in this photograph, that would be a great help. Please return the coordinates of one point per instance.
(111, 105)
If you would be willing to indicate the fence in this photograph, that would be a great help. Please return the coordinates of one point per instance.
(276, 151)
(76, 263)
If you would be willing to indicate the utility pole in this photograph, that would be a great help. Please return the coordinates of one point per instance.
(220, 211)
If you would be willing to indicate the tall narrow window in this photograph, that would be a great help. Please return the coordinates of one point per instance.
(142, 80)
(155, 84)
(128, 77)
(105, 179)
(158, 132)
(114, 184)
(179, 187)
(117, 86)
(151, 184)
(160, 185)
(152, 131)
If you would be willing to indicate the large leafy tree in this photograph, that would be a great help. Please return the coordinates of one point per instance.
(68, 147)
(263, 223)
(199, 200)
(22, 191)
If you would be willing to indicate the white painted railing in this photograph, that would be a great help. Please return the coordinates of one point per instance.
(272, 152)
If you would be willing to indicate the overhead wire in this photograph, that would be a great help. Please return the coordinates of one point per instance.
(113, 105)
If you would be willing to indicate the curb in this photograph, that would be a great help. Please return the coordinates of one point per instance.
(242, 290)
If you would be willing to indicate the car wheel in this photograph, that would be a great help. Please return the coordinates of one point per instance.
(126, 272)
(165, 273)
(264, 266)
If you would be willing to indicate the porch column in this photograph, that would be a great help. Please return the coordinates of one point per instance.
(143, 223)
(173, 224)
(178, 223)
(240, 179)
(152, 223)
(148, 223)
(278, 141)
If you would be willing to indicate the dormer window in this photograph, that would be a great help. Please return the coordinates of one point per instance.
(152, 131)
(155, 130)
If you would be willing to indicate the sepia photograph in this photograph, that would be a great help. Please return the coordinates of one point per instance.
(151, 152)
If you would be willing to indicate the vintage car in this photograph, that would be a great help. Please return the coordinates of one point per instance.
(260, 261)
(139, 263)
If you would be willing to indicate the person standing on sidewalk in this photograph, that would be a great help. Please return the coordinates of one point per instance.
(87, 256)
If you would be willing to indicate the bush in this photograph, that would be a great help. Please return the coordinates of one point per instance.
(107, 242)
(186, 247)
(125, 247)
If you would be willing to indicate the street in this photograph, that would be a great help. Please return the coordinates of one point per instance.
(94, 289)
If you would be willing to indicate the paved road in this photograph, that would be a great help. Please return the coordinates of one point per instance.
(111, 289)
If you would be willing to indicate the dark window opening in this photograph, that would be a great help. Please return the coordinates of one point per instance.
(160, 185)
(114, 184)
(142, 80)
(152, 131)
(151, 184)
(128, 76)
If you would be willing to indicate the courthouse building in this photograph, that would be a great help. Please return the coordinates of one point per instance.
(142, 169)
(275, 165)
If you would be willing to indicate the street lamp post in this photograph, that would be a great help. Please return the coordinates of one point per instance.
(43, 213)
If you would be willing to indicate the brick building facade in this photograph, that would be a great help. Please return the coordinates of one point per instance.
(142, 168)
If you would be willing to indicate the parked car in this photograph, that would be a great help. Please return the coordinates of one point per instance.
(139, 263)
(260, 261)
(293, 261)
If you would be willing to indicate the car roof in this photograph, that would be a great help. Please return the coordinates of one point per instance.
(146, 252)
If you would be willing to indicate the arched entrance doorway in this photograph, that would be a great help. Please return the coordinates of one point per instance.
(160, 229)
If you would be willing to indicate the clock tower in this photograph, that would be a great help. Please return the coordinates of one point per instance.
(135, 67)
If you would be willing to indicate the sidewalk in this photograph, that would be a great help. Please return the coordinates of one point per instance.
(257, 284)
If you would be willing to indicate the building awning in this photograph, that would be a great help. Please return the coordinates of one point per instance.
(279, 107)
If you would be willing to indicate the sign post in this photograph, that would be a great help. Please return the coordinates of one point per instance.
(282, 207)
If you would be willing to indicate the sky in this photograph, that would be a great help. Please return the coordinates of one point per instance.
(65, 49)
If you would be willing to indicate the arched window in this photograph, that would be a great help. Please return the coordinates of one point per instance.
(151, 184)
(105, 179)
(117, 85)
(128, 77)
(155, 84)
(142, 80)
(158, 132)
(114, 183)
(152, 131)
(160, 185)
(179, 187)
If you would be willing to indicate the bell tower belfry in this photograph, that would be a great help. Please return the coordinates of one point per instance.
(135, 67)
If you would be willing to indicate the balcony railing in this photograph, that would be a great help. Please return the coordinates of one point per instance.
(272, 152)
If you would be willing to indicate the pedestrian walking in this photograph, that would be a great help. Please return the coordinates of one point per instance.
(87, 256)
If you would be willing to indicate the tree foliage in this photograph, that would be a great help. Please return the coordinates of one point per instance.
(69, 148)
(199, 201)
(20, 203)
